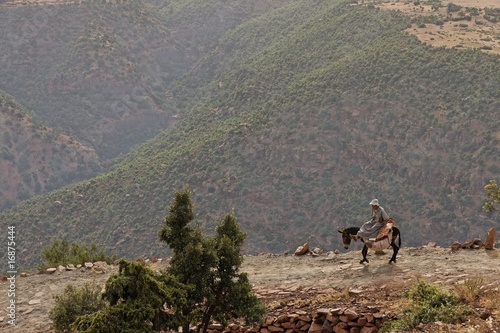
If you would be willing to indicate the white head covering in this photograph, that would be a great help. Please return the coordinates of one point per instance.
(374, 202)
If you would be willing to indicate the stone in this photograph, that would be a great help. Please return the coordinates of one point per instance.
(305, 327)
(88, 265)
(283, 318)
(489, 243)
(327, 327)
(317, 250)
(368, 329)
(51, 270)
(456, 246)
(340, 328)
(315, 328)
(351, 315)
(273, 329)
(301, 250)
(34, 302)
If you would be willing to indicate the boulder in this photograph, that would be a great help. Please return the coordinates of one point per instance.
(301, 250)
(456, 246)
(489, 243)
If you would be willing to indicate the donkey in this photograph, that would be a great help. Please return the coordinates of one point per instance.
(349, 233)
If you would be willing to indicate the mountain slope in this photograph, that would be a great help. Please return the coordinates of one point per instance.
(34, 158)
(99, 71)
(295, 121)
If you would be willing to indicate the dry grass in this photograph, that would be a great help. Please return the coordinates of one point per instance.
(478, 33)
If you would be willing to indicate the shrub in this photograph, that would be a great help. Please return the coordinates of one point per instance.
(74, 302)
(64, 253)
(429, 304)
(471, 290)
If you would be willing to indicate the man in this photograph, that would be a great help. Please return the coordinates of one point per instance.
(370, 229)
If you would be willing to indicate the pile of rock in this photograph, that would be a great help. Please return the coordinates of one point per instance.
(305, 250)
(475, 244)
(339, 320)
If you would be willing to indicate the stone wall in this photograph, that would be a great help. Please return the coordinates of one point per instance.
(338, 320)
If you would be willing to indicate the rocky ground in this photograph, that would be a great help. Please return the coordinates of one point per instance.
(287, 283)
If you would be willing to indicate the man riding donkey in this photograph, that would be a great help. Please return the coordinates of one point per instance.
(377, 234)
(378, 227)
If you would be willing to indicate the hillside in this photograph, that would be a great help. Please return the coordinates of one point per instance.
(296, 120)
(291, 284)
(99, 71)
(35, 158)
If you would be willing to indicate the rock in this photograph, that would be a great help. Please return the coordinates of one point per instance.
(456, 246)
(351, 315)
(317, 250)
(301, 250)
(51, 270)
(489, 243)
(368, 329)
(88, 265)
(34, 302)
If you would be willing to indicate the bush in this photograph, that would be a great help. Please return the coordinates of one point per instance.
(471, 290)
(64, 253)
(429, 304)
(73, 303)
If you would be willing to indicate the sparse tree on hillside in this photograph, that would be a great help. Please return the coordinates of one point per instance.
(493, 196)
(209, 266)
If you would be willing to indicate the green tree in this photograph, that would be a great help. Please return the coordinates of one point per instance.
(209, 266)
(492, 195)
(193, 255)
(230, 293)
(140, 300)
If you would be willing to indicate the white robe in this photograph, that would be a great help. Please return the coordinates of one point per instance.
(370, 228)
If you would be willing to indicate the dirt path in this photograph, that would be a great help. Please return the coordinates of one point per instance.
(279, 278)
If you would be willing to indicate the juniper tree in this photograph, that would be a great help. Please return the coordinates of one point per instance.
(229, 291)
(140, 300)
(193, 256)
(209, 266)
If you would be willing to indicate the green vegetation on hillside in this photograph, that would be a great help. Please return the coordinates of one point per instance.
(297, 118)
(492, 195)
(64, 253)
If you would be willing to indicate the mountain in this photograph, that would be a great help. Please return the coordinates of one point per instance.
(296, 119)
(99, 71)
(35, 158)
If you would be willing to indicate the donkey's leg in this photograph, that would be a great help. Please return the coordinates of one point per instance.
(395, 249)
(364, 252)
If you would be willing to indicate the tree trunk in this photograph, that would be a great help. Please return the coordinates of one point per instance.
(206, 319)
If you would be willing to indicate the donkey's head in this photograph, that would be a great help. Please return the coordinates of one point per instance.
(347, 236)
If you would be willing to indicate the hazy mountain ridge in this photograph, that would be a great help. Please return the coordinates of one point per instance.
(298, 133)
(99, 71)
(35, 158)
